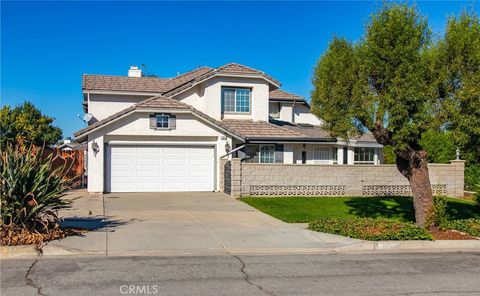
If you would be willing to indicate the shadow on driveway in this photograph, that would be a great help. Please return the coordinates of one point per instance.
(90, 223)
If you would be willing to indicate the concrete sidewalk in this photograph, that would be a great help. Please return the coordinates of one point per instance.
(198, 224)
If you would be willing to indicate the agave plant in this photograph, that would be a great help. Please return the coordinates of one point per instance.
(31, 189)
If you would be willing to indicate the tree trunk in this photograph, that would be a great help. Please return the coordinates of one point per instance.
(413, 165)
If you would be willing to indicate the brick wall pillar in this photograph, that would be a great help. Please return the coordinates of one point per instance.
(236, 177)
(459, 177)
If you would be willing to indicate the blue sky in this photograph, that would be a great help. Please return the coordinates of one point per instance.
(47, 46)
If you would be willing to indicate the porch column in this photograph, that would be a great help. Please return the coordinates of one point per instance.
(351, 154)
(340, 155)
(288, 154)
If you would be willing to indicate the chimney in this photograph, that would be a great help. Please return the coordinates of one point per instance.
(134, 72)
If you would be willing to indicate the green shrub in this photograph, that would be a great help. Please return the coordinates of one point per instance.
(440, 216)
(31, 190)
(370, 229)
(470, 226)
(472, 177)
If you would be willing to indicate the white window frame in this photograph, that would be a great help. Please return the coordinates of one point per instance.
(363, 161)
(322, 161)
(277, 113)
(235, 100)
(272, 158)
(157, 116)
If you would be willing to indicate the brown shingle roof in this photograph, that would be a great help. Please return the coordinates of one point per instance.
(139, 84)
(258, 129)
(234, 68)
(124, 83)
(281, 95)
(166, 86)
(162, 102)
(308, 130)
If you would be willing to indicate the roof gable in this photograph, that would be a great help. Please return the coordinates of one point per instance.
(166, 86)
(281, 95)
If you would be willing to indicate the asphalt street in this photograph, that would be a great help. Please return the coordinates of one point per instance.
(353, 274)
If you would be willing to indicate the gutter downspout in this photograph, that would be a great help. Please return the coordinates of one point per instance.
(293, 110)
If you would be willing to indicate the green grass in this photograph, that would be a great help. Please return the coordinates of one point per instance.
(307, 209)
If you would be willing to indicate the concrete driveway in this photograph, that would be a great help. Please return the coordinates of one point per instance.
(184, 223)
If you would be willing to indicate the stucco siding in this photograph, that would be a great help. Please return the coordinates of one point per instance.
(303, 115)
(207, 97)
(102, 106)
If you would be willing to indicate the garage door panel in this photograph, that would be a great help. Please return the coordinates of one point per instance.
(125, 150)
(123, 173)
(122, 161)
(148, 163)
(174, 186)
(175, 151)
(200, 152)
(152, 174)
(150, 169)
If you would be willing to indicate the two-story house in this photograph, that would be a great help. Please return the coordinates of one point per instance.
(168, 134)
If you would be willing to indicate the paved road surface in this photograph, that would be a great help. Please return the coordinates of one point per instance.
(372, 274)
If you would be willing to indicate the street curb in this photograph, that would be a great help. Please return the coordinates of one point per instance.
(8, 252)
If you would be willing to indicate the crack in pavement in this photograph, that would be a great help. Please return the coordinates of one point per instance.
(247, 277)
(28, 280)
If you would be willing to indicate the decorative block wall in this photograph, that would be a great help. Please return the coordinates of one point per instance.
(338, 180)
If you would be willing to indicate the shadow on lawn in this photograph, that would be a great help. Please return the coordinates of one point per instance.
(382, 207)
(401, 207)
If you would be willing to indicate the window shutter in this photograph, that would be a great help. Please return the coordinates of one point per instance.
(278, 153)
(153, 121)
(173, 122)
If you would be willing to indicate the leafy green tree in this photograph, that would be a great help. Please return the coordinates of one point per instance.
(459, 69)
(439, 146)
(459, 65)
(384, 84)
(27, 123)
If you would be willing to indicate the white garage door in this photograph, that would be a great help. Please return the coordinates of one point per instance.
(156, 169)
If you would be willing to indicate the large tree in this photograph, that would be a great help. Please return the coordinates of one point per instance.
(384, 84)
(25, 122)
(459, 69)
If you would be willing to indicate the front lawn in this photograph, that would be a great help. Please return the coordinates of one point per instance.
(307, 209)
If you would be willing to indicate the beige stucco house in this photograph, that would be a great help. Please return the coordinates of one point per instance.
(169, 134)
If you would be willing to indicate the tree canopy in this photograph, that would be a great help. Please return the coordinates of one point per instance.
(25, 122)
(404, 87)
(459, 82)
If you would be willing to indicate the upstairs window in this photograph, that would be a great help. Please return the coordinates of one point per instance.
(236, 100)
(274, 110)
(163, 120)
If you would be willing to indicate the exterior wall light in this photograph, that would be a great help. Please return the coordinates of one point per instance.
(227, 147)
(95, 147)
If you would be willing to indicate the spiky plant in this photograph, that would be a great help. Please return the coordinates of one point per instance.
(31, 189)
